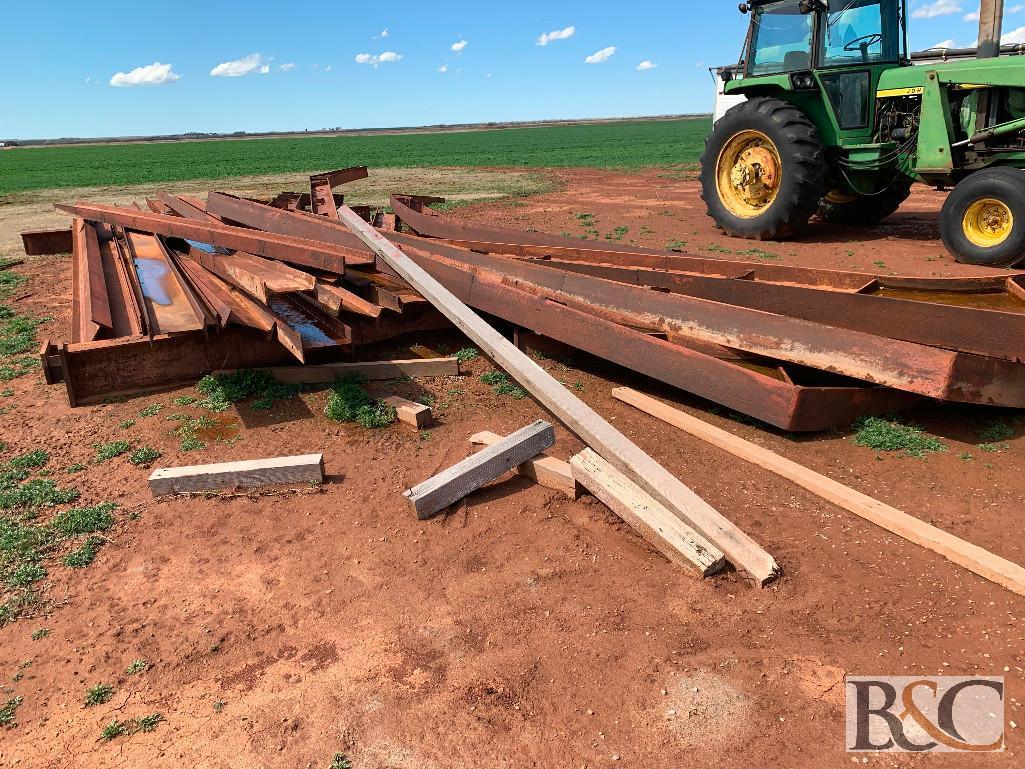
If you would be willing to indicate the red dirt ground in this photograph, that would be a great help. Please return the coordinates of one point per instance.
(520, 629)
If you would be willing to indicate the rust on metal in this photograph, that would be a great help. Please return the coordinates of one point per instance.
(47, 242)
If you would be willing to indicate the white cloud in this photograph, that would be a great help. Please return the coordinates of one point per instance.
(600, 56)
(88, 80)
(557, 34)
(1016, 8)
(646, 64)
(385, 32)
(973, 16)
(443, 68)
(254, 62)
(329, 67)
(374, 61)
(458, 47)
(1014, 37)
(936, 8)
(945, 44)
(152, 74)
(288, 65)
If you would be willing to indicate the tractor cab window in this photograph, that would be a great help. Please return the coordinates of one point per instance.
(781, 39)
(861, 32)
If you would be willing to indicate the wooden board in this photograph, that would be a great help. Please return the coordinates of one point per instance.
(971, 557)
(410, 412)
(326, 373)
(583, 421)
(672, 537)
(480, 469)
(248, 473)
(543, 469)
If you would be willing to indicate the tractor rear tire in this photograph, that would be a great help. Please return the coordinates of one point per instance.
(763, 170)
(867, 209)
(983, 218)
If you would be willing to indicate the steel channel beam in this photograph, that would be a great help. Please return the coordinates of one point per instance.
(992, 333)
(894, 363)
(47, 242)
(290, 249)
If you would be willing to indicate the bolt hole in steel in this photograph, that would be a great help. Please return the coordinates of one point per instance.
(988, 222)
(748, 174)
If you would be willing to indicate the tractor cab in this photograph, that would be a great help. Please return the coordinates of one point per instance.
(809, 51)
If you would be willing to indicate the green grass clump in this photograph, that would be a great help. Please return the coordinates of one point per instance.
(34, 494)
(151, 410)
(502, 385)
(884, 435)
(106, 451)
(25, 574)
(98, 694)
(340, 761)
(84, 520)
(137, 666)
(40, 634)
(84, 555)
(349, 402)
(9, 711)
(114, 729)
(996, 431)
(32, 459)
(148, 723)
(77, 467)
(144, 456)
(223, 390)
(126, 424)
(184, 400)
(467, 354)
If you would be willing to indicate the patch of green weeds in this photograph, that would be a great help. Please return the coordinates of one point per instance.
(83, 555)
(151, 410)
(84, 520)
(222, 390)
(115, 729)
(144, 455)
(33, 495)
(126, 424)
(7, 392)
(996, 431)
(617, 234)
(191, 443)
(98, 694)
(758, 253)
(40, 634)
(148, 723)
(8, 712)
(137, 666)
(111, 449)
(25, 574)
(676, 245)
(77, 467)
(884, 435)
(184, 400)
(965, 456)
(502, 385)
(340, 761)
(219, 705)
(349, 402)
(467, 354)
(32, 459)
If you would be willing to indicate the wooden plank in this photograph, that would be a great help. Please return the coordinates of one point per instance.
(410, 412)
(670, 536)
(480, 469)
(248, 473)
(543, 469)
(971, 557)
(583, 421)
(336, 299)
(326, 373)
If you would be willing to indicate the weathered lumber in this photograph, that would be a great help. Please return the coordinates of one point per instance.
(672, 537)
(47, 242)
(543, 469)
(480, 469)
(326, 373)
(583, 421)
(290, 249)
(247, 473)
(971, 557)
(410, 412)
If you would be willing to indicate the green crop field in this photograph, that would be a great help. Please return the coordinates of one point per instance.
(606, 145)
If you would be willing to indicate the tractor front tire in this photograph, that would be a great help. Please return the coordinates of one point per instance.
(866, 209)
(763, 170)
(983, 218)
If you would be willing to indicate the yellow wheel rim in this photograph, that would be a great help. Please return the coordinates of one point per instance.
(988, 222)
(748, 174)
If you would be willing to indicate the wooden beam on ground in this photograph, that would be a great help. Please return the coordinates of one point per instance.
(410, 412)
(971, 557)
(583, 421)
(543, 469)
(326, 373)
(670, 536)
(228, 475)
(480, 469)
(307, 253)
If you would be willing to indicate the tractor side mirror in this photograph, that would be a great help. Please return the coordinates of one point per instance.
(744, 8)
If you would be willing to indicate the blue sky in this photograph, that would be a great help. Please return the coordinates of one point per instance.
(118, 68)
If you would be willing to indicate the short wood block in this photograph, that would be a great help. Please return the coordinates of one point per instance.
(410, 412)
(248, 473)
(544, 470)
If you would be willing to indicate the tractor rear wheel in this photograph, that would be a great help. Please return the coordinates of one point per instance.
(763, 170)
(865, 209)
(983, 218)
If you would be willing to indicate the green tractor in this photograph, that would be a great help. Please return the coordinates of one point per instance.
(837, 122)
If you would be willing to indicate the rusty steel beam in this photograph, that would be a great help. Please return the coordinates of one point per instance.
(289, 249)
(996, 331)
(935, 373)
(47, 242)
